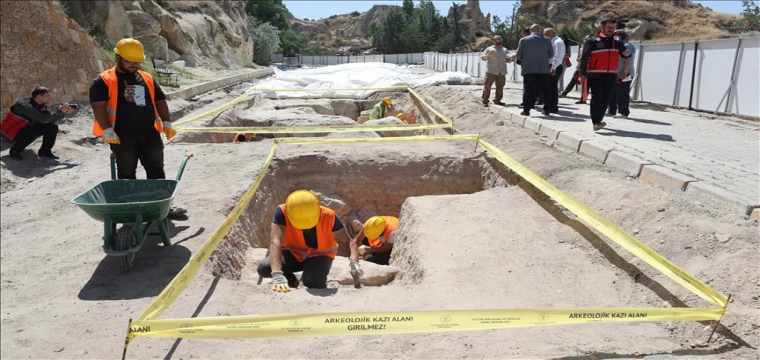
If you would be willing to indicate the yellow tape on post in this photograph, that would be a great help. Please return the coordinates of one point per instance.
(180, 281)
(407, 322)
(610, 230)
(313, 129)
(387, 88)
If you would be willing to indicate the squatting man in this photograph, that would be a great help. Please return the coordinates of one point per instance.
(303, 238)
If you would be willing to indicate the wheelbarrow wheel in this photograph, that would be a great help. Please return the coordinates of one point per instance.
(126, 238)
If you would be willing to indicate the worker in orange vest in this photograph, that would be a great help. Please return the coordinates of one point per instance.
(375, 240)
(241, 137)
(303, 238)
(131, 113)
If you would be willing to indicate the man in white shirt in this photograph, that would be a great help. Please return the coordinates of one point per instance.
(496, 57)
(556, 70)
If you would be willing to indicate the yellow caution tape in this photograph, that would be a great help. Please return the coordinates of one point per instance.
(610, 230)
(387, 88)
(314, 129)
(406, 322)
(378, 140)
(180, 281)
(444, 117)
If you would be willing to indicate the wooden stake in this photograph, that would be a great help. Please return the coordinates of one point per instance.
(721, 318)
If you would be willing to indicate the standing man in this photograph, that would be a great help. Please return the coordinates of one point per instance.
(556, 70)
(599, 62)
(302, 238)
(131, 113)
(525, 32)
(534, 52)
(496, 57)
(29, 119)
(626, 72)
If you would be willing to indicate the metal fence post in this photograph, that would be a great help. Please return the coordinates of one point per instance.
(728, 93)
(639, 70)
(693, 72)
(678, 74)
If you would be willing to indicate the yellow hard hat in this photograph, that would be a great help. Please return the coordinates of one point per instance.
(303, 209)
(387, 100)
(400, 116)
(374, 227)
(130, 50)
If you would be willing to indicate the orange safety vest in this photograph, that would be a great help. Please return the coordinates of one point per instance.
(112, 82)
(603, 60)
(391, 224)
(296, 244)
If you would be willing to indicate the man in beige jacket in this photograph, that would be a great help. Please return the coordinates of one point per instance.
(496, 57)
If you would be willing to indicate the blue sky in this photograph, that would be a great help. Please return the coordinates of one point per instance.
(316, 9)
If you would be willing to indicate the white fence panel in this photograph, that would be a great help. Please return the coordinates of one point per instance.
(714, 67)
(684, 83)
(659, 72)
(744, 96)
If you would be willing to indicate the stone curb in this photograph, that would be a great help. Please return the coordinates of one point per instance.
(636, 167)
(669, 179)
(201, 88)
(594, 150)
(744, 204)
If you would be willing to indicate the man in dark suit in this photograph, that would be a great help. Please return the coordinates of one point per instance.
(534, 52)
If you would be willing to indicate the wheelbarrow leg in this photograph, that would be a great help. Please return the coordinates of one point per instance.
(163, 226)
(110, 232)
(139, 228)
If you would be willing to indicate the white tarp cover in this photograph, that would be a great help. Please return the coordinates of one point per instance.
(351, 76)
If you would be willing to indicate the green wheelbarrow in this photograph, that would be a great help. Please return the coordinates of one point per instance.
(138, 204)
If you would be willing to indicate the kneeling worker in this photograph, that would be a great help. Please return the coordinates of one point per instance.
(303, 235)
(381, 109)
(376, 240)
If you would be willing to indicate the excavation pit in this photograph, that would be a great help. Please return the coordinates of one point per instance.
(293, 113)
(358, 182)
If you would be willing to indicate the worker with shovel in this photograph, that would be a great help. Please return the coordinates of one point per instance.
(375, 240)
(302, 238)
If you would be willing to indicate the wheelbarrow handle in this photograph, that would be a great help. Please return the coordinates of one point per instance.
(182, 167)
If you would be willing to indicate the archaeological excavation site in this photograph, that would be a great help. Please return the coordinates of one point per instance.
(518, 237)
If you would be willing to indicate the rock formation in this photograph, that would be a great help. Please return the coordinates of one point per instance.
(41, 46)
(478, 25)
(191, 30)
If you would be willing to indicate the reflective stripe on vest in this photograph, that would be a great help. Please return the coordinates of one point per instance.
(391, 224)
(11, 125)
(294, 241)
(112, 82)
(603, 61)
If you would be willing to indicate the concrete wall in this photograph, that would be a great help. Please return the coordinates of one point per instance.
(213, 85)
(41, 46)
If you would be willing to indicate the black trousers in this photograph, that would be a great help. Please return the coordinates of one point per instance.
(572, 83)
(552, 97)
(315, 269)
(380, 258)
(533, 84)
(621, 99)
(31, 132)
(602, 88)
(145, 146)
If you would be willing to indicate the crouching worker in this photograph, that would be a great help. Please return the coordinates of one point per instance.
(375, 241)
(241, 137)
(29, 119)
(303, 235)
(381, 109)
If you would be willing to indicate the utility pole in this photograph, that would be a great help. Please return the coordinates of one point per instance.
(512, 26)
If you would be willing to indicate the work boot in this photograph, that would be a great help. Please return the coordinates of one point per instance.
(499, 103)
(176, 212)
(563, 95)
(599, 126)
(525, 113)
(47, 154)
(292, 281)
(16, 155)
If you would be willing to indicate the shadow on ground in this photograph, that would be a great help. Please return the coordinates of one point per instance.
(155, 266)
(33, 166)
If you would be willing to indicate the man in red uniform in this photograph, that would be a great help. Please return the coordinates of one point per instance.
(599, 63)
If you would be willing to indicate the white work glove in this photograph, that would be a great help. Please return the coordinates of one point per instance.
(363, 249)
(169, 130)
(109, 136)
(279, 282)
(358, 268)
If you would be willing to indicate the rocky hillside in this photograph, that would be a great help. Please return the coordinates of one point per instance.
(210, 32)
(655, 21)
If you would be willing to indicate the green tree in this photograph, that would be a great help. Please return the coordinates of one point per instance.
(458, 30)
(271, 11)
(750, 17)
(266, 39)
(375, 34)
(290, 42)
(413, 40)
(389, 40)
(408, 7)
